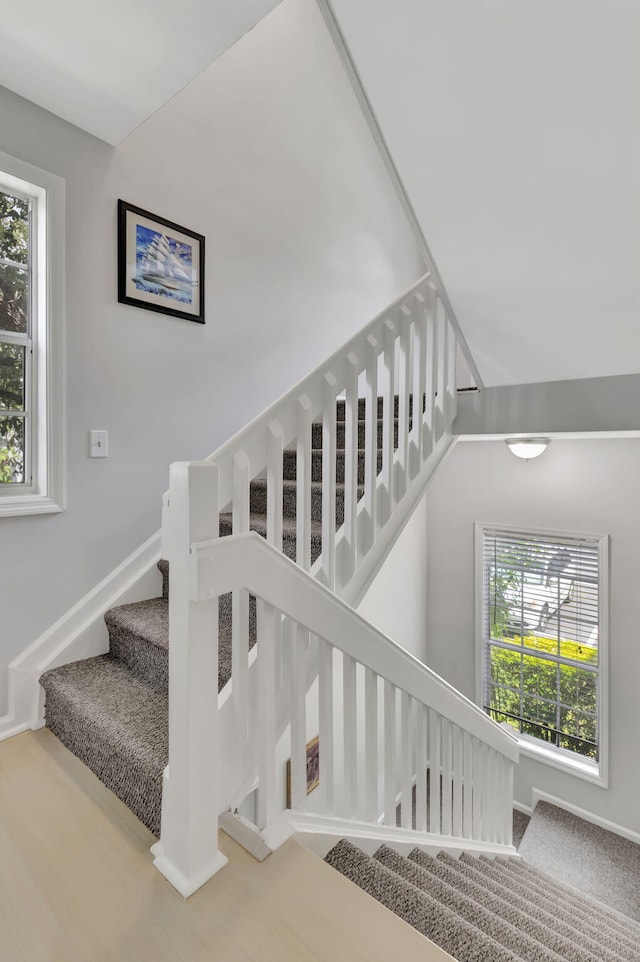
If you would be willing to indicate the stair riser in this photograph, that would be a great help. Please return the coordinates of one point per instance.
(362, 407)
(288, 537)
(316, 435)
(258, 501)
(290, 466)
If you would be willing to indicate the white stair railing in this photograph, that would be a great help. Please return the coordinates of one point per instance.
(384, 721)
(404, 361)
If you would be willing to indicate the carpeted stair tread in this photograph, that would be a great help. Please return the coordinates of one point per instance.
(620, 927)
(316, 434)
(436, 921)
(139, 636)
(117, 724)
(289, 465)
(548, 913)
(258, 499)
(528, 919)
(522, 870)
(582, 917)
(475, 913)
(587, 857)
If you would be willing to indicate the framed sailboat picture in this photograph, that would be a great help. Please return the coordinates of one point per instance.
(160, 264)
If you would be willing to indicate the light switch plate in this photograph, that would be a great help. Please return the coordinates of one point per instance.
(98, 444)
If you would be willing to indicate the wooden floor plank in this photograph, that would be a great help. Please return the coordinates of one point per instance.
(77, 884)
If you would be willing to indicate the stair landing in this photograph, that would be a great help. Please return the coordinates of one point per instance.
(77, 883)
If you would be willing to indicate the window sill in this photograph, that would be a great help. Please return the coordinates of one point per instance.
(565, 761)
(13, 506)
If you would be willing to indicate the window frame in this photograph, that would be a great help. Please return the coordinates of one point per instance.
(43, 491)
(596, 772)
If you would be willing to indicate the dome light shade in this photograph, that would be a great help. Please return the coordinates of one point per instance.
(527, 448)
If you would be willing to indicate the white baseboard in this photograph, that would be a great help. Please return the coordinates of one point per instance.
(79, 633)
(538, 796)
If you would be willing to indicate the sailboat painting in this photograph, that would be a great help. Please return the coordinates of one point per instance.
(160, 264)
(163, 265)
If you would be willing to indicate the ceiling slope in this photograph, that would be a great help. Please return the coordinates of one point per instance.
(107, 65)
(515, 129)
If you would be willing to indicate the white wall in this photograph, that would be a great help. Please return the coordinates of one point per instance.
(396, 602)
(265, 153)
(582, 486)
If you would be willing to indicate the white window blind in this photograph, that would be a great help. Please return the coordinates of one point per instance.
(540, 636)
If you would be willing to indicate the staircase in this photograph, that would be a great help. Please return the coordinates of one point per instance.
(483, 910)
(112, 710)
(254, 648)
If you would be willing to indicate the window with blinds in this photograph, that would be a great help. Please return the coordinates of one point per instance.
(541, 635)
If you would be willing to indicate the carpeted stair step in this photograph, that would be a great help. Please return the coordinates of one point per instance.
(552, 917)
(362, 407)
(476, 913)
(258, 499)
(462, 940)
(116, 724)
(600, 863)
(316, 434)
(258, 523)
(582, 917)
(289, 465)
(139, 637)
(525, 876)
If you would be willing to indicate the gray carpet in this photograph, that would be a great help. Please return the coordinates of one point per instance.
(520, 822)
(111, 711)
(584, 856)
(472, 909)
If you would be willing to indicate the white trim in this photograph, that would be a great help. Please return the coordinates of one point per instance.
(79, 633)
(595, 772)
(46, 494)
(321, 832)
(539, 796)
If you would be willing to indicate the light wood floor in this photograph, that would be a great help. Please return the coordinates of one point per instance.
(77, 884)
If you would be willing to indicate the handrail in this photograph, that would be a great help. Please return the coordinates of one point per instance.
(248, 561)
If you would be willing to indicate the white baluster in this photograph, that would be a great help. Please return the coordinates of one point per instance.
(404, 381)
(447, 777)
(187, 853)
(476, 814)
(350, 736)
(370, 809)
(451, 375)
(330, 390)
(241, 469)
(419, 383)
(487, 801)
(371, 445)
(457, 768)
(509, 803)
(429, 429)
(349, 557)
(275, 451)
(407, 765)
(327, 793)
(468, 786)
(441, 393)
(267, 617)
(421, 767)
(435, 768)
(294, 637)
(388, 423)
(390, 754)
(303, 484)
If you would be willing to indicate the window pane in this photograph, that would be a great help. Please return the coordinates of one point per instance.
(11, 450)
(11, 377)
(14, 299)
(14, 229)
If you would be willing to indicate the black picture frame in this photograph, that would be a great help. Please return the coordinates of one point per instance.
(160, 264)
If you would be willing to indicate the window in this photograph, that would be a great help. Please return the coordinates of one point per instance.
(542, 639)
(31, 294)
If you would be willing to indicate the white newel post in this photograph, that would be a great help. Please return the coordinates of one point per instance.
(187, 853)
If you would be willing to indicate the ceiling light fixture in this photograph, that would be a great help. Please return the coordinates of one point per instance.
(527, 448)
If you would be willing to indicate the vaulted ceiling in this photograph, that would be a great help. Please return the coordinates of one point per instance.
(107, 65)
(514, 127)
